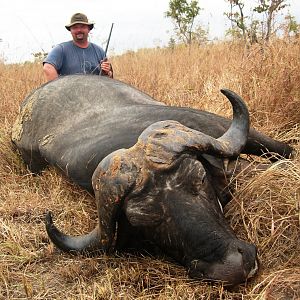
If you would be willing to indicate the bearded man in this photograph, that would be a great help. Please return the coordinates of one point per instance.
(78, 56)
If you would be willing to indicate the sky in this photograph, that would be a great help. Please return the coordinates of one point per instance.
(31, 26)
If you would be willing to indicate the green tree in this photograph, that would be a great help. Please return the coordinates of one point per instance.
(255, 29)
(183, 15)
(172, 43)
(200, 35)
(269, 8)
(237, 18)
(290, 26)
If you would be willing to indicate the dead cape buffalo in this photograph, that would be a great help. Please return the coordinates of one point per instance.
(158, 173)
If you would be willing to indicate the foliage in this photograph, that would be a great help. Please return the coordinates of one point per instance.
(39, 56)
(269, 8)
(200, 35)
(183, 15)
(237, 18)
(259, 29)
(290, 27)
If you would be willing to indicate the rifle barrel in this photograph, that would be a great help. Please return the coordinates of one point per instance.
(106, 48)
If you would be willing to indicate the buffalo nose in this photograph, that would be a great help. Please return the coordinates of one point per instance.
(250, 261)
(254, 270)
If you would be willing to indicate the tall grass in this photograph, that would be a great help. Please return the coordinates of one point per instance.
(268, 78)
(265, 208)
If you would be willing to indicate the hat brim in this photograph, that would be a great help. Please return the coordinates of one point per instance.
(91, 25)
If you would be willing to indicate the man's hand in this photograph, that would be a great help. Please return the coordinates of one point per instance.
(106, 68)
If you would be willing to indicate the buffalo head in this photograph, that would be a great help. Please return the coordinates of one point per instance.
(164, 190)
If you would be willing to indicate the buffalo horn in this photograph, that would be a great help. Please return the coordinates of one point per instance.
(165, 141)
(111, 180)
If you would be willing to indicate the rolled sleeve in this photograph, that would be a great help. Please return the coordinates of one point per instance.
(55, 57)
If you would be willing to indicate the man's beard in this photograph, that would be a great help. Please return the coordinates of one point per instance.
(80, 36)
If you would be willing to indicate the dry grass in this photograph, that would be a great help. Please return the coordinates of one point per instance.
(265, 209)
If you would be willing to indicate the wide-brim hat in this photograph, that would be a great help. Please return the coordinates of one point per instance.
(80, 18)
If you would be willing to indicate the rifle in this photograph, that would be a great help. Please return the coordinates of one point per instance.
(107, 44)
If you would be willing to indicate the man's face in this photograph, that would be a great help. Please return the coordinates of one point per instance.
(80, 32)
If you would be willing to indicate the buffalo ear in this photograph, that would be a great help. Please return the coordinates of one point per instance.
(144, 212)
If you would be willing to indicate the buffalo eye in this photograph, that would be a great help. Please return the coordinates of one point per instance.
(192, 174)
(197, 183)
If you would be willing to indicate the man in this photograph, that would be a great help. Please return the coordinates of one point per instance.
(78, 56)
